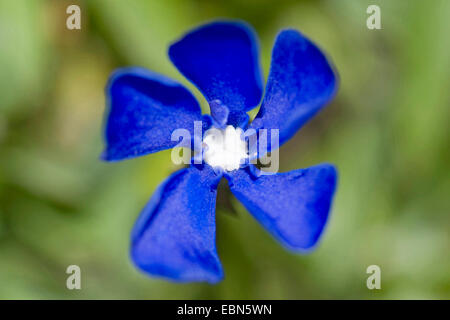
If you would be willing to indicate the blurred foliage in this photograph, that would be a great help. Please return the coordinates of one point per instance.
(387, 131)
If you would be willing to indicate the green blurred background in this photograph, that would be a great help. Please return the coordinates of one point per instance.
(387, 131)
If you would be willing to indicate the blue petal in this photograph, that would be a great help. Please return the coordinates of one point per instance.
(293, 206)
(174, 237)
(221, 59)
(219, 112)
(301, 81)
(144, 109)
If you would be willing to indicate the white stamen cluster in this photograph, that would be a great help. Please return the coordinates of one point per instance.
(224, 148)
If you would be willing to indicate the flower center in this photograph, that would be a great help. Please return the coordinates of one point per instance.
(224, 148)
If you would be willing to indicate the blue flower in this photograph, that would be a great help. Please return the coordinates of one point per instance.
(174, 236)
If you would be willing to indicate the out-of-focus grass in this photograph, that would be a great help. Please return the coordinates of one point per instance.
(387, 132)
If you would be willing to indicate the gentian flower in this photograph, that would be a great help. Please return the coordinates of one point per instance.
(174, 236)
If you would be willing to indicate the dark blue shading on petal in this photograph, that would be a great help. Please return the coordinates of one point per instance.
(293, 206)
(144, 109)
(301, 81)
(222, 60)
(174, 237)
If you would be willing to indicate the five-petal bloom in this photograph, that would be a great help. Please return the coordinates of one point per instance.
(174, 236)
